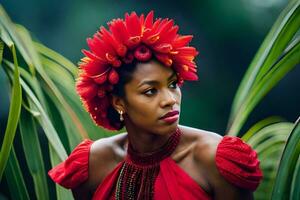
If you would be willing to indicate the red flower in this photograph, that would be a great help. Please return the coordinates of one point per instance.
(136, 37)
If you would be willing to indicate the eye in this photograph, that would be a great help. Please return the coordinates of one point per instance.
(150, 92)
(174, 84)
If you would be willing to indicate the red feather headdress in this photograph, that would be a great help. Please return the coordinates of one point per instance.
(137, 38)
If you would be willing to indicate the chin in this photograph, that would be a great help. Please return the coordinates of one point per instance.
(168, 128)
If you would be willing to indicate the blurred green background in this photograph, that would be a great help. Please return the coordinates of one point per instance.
(226, 33)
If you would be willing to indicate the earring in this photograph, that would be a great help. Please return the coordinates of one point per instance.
(121, 115)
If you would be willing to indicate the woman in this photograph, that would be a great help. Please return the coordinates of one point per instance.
(131, 77)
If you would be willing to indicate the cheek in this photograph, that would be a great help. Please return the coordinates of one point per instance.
(141, 107)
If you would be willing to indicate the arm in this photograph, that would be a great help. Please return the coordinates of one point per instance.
(224, 190)
(204, 155)
(100, 164)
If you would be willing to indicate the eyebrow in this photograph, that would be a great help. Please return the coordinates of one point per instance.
(153, 82)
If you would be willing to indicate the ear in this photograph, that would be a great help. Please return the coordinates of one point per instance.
(118, 103)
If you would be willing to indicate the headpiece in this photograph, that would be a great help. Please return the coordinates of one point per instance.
(135, 38)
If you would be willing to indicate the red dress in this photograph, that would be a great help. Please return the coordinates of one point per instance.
(236, 161)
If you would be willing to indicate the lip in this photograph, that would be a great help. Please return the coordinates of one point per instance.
(170, 114)
(171, 117)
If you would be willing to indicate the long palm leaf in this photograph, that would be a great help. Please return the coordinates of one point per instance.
(275, 43)
(288, 164)
(13, 116)
(33, 154)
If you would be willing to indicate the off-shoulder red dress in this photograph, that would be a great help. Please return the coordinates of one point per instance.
(236, 161)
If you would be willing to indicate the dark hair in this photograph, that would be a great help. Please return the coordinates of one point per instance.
(125, 75)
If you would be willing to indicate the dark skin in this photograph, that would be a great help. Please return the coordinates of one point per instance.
(151, 93)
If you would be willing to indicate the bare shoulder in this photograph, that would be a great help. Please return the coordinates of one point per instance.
(104, 155)
(205, 144)
(204, 153)
(109, 148)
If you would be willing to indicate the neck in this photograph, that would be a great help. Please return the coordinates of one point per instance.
(144, 141)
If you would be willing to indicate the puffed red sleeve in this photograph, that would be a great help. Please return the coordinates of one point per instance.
(237, 162)
(74, 170)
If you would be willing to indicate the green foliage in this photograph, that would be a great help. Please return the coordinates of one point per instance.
(276, 142)
(272, 62)
(31, 146)
(43, 85)
(15, 178)
(268, 137)
(44, 105)
(287, 179)
(14, 113)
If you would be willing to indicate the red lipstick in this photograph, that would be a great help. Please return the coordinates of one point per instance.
(171, 116)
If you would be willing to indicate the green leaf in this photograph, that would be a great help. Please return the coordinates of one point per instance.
(57, 58)
(268, 137)
(13, 116)
(295, 191)
(43, 118)
(71, 131)
(15, 178)
(286, 63)
(66, 84)
(275, 42)
(61, 193)
(288, 162)
(45, 123)
(260, 125)
(10, 36)
(38, 66)
(7, 26)
(33, 154)
(269, 132)
(4, 35)
(277, 37)
(285, 36)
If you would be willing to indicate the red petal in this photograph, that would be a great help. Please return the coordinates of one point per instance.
(86, 89)
(113, 77)
(121, 50)
(163, 48)
(164, 58)
(117, 45)
(100, 79)
(119, 30)
(99, 47)
(186, 72)
(94, 67)
(153, 31)
(90, 55)
(149, 20)
(165, 26)
(182, 41)
(142, 20)
(187, 51)
(133, 42)
(133, 24)
(190, 76)
(116, 63)
(151, 39)
(169, 35)
(113, 60)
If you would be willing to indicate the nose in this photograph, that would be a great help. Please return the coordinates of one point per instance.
(168, 99)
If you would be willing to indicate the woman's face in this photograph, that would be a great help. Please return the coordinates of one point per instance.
(152, 93)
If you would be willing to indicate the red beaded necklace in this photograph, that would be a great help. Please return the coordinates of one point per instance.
(139, 171)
